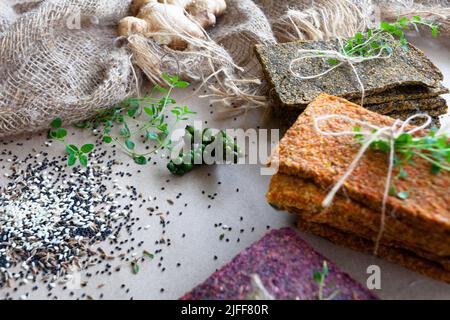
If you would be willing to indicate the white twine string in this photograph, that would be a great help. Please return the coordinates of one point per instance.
(338, 56)
(389, 133)
(260, 291)
(138, 89)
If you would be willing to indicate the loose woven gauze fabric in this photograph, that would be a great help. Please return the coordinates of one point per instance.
(232, 41)
(62, 58)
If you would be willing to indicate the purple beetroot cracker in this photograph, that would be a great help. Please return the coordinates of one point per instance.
(285, 264)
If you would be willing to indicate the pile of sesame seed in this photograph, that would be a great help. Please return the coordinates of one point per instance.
(149, 237)
(50, 216)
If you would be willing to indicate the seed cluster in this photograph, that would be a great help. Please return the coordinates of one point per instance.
(97, 220)
(56, 222)
(49, 217)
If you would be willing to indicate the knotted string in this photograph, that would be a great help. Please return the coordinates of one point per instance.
(389, 133)
(338, 56)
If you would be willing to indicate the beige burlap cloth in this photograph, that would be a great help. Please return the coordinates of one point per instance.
(62, 58)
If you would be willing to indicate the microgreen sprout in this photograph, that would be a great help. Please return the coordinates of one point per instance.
(132, 119)
(320, 278)
(135, 266)
(74, 153)
(383, 40)
(155, 128)
(433, 148)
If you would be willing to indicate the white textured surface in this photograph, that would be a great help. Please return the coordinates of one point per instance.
(195, 252)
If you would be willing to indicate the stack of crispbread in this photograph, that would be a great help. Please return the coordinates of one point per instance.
(417, 229)
(402, 85)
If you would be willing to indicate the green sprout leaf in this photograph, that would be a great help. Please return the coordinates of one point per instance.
(148, 255)
(435, 169)
(403, 195)
(130, 144)
(182, 84)
(152, 136)
(149, 111)
(61, 133)
(174, 81)
(135, 267)
(87, 148)
(56, 123)
(133, 110)
(317, 276)
(72, 149)
(141, 160)
(392, 191)
(381, 145)
(404, 139)
(403, 174)
(71, 160)
(160, 89)
(325, 269)
(435, 31)
(168, 78)
(333, 62)
(83, 160)
(125, 131)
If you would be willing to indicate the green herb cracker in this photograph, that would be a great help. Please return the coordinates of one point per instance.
(406, 67)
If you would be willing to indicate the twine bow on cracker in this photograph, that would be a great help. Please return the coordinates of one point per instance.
(338, 56)
(389, 133)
